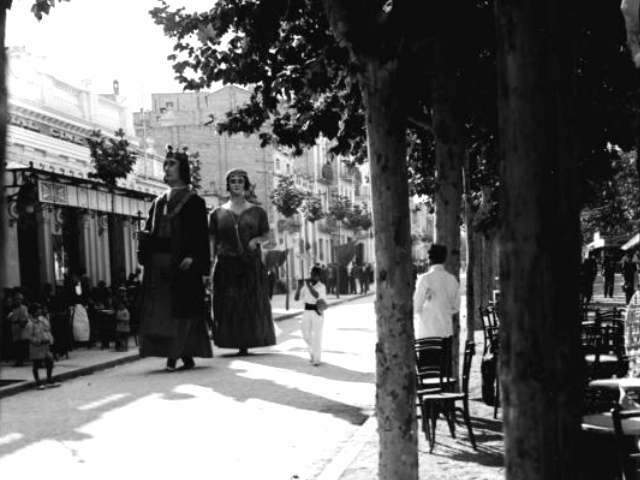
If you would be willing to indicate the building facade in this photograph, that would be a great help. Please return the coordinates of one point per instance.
(60, 221)
(184, 120)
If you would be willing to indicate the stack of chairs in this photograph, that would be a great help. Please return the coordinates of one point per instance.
(603, 346)
(491, 349)
(436, 386)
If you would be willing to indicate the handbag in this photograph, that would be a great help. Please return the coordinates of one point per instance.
(321, 306)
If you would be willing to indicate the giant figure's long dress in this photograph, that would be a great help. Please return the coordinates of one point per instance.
(241, 308)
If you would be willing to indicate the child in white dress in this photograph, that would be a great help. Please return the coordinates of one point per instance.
(313, 294)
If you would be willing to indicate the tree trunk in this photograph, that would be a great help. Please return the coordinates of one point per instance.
(3, 158)
(450, 138)
(473, 254)
(540, 240)
(395, 362)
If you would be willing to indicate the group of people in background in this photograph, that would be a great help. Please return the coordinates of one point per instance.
(628, 266)
(352, 279)
(70, 311)
(31, 336)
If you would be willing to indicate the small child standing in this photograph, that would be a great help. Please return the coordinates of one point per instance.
(123, 327)
(313, 294)
(40, 341)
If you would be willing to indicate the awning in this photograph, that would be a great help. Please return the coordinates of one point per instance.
(610, 241)
(632, 242)
(69, 191)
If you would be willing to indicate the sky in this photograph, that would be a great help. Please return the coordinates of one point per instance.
(102, 40)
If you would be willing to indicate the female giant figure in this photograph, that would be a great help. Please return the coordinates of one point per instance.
(174, 250)
(241, 309)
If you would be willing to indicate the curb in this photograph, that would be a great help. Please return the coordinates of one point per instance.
(350, 451)
(78, 372)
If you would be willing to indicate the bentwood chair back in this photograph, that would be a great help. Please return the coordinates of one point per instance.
(434, 363)
(432, 403)
(604, 351)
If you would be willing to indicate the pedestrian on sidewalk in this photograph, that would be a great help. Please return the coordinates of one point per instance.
(174, 250)
(436, 298)
(313, 294)
(19, 318)
(588, 274)
(123, 323)
(40, 341)
(242, 315)
(608, 272)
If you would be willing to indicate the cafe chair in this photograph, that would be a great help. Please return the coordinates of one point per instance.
(490, 326)
(604, 350)
(444, 400)
(434, 363)
(628, 454)
(491, 331)
(609, 315)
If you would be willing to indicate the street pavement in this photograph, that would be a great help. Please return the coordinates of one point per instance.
(83, 361)
(274, 415)
(270, 415)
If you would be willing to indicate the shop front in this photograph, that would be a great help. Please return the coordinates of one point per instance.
(61, 225)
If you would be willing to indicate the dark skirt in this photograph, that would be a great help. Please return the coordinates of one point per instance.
(161, 334)
(241, 309)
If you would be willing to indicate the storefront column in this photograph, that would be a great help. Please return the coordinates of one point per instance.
(12, 257)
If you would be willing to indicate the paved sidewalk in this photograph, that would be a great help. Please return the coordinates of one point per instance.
(84, 361)
(452, 458)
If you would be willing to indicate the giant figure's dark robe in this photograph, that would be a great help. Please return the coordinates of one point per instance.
(172, 301)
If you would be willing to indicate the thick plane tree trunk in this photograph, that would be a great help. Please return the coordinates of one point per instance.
(540, 240)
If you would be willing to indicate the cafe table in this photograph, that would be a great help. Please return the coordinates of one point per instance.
(602, 451)
(600, 448)
(603, 423)
(627, 388)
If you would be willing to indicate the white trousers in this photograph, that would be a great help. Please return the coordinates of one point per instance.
(312, 325)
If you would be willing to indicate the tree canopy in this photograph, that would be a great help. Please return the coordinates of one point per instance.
(111, 157)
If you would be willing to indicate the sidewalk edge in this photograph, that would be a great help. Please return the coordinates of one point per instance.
(350, 451)
(78, 372)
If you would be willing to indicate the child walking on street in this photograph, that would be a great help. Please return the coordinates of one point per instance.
(40, 341)
(313, 294)
(123, 328)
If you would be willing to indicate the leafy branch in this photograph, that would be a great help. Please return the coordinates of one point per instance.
(311, 208)
(111, 157)
(286, 197)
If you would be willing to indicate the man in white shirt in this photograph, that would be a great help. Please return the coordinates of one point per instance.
(436, 298)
